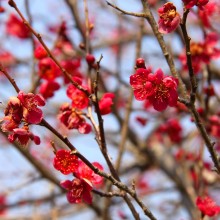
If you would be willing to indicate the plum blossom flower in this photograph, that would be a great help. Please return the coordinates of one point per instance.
(105, 103)
(207, 206)
(202, 52)
(48, 69)
(72, 119)
(84, 172)
(78, 190)
(48, 88)
(173, 128)
(40, 52)
(160, 90)
(72, 67)
(7, 59)
(23, 135)
(190, 3)
(78, 97)
(65, 162)
(16, 28)
(139, 83)
(210, 14)
(169, 18)
(31, 113)
(22, 110)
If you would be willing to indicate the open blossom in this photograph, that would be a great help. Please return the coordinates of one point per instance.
(169, 18)
(105, 103)
(48, 69)
(202, 52)
(207, 206)
(84, 172)
(78, 190)
(23, 135)
(31, 113)
(139, 83)
(65, 162)
(48, 88)
(7, 59)
(72, 67)
(40, 52)
(190, 3)
(210, 14)
(14, 110)
(160, 90)
(173, 128)
(72, 119)
(15, 27)
(78, 97)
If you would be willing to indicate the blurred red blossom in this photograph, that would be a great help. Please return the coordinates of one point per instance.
(2, 204)
(48, 88)
(210, 13)
(207, 206)
(16, 28)
(173, 128)
(48, 69)
(72, 67)
(40, 52)
(7, 59)
(190, 3)
(202, 52)
(105, 103)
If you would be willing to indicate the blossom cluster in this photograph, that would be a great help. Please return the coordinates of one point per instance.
(79, 189)
(202, 52)
(22, 109)
(169, 18)
(159, 90)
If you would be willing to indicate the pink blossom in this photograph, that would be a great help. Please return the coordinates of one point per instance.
(16, 28)
(190, 3)
(65, 162)
(160, 90)
(105, 103)
(73, 119)
(23, 135)
(139, 83)
(48, 88)
(78, 190)
(31, 113)
(84, 172)
(169, 18)
(78, 97)
(207, 206)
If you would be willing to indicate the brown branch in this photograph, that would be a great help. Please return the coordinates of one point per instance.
(142, 15)
(193, 82)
